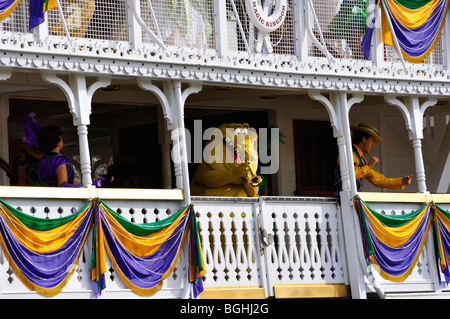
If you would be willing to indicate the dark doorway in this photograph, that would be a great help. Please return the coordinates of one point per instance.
(139, 164)
(315, 157)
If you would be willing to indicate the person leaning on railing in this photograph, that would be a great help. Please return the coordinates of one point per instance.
(364, 139)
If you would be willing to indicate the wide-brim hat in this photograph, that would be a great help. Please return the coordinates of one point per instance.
(368, 129)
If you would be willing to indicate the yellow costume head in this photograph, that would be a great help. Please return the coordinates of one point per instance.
(230, 161)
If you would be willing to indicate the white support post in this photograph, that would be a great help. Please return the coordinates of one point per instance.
(173, 127)
(352, 237)
(41, 31)
(446, 42)
(85, 157)
(377, 46)
(301, 35)
(413, 112)
(179, 98)
(172, 100)
(166, 116)
(338, 108)
(164, 142)
(134, 29)
(79, 97)
(220, 27)
(345, 109)
(416, 135)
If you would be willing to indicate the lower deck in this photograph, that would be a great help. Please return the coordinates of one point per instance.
(257, 248)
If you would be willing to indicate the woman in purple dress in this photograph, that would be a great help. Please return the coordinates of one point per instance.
(54, 168)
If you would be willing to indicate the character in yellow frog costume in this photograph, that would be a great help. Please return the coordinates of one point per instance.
(229, 164)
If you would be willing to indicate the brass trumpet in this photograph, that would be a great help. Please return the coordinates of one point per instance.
(252, 178)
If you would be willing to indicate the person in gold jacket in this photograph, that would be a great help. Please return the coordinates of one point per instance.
(364, 139)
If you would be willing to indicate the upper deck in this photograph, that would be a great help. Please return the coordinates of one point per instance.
(318, 45)
(215, 42)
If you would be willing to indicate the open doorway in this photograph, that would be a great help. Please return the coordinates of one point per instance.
(315, 157)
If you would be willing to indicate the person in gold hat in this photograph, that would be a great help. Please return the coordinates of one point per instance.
(364, 139)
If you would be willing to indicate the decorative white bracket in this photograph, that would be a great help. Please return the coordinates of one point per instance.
(5, 74)
(78, 95)
(79, 98)
(335, 110)
(413, 113)
(168, 111)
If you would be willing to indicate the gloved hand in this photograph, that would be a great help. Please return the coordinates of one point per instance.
(97, 182)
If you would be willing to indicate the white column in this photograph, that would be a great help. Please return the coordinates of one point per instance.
(220, 27)
(416, 135)
(174, 134)
(134, 29)
(79, 97)
(377, 46)
(85, 157)
(164, 142)
(179, 106)
(413, 112)
(345, 109)
(420, 168)
(353, 241)
(446, 42)
(179, 100)
(301, 35)
(338, 108)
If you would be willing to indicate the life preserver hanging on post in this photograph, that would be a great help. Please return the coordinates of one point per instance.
(259, 14)
(265, 20)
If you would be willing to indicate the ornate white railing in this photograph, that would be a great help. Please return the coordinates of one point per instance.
(426, 278)
(259, 244)
(200, 33)
(307, 245)
(55, 203)
(279, 244)
(262, 247)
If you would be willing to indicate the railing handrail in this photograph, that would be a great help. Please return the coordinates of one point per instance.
(90, 193)
(404, 197)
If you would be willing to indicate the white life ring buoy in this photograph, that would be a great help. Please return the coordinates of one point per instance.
(261, 19)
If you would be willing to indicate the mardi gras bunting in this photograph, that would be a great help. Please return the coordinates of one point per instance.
(44, 252)
(442, 226)
(394, 243)
(415, 25)
(37, 11)
(145, 254)
(7, 7)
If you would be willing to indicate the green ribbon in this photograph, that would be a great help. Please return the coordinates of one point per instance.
(412, 4)
(41, 224)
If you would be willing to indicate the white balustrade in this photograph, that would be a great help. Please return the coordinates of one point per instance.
(306, 241)
(239, 251)
(305, 248)
(80, 284)
(191, 35)
(228, 235)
